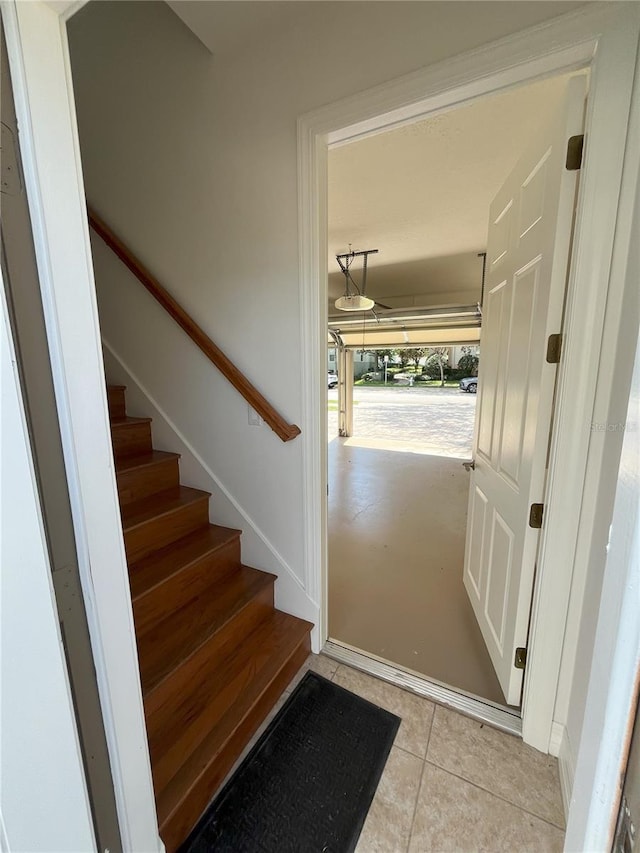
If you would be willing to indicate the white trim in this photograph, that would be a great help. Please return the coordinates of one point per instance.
(603, 38)
(472, 706)
(566, 768)
(215, 481)
(201, 462)
(560, 748)
(312, 235)
(614, 666)
(4, 841)
(39, 61)
(45, 765)
(566, 44)
(555, 741)
(575, 467)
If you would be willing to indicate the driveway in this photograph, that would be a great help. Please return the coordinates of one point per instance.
(428, 420)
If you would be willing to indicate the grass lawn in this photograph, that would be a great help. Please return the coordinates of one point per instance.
(432, 383)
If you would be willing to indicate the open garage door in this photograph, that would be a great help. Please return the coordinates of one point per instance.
(450, 325)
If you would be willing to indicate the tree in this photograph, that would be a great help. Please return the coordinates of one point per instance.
(436, 361)
(417, 353)
(380, 354)
(469, 361)
(407, 354)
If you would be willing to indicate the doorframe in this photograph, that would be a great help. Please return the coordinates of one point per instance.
(39, 60)
(39, 57)
(605, 40)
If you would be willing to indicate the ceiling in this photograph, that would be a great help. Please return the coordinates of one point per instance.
(421, 194)
(227, 28)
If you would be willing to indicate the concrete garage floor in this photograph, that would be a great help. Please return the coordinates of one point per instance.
(420, 420)
(397, 519)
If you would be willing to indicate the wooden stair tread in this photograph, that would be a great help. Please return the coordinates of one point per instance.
(214, 654)
(200, 620)
(117, 423)
(143, 460)
(256, 662)
(159, 504)
(177, 724)
(149, 572)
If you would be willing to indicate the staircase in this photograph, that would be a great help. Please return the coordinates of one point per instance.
(214, 654)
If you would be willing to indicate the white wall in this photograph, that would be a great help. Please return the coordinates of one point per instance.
(43, 797)
(192, 159)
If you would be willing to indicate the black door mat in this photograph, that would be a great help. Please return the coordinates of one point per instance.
(307, 784)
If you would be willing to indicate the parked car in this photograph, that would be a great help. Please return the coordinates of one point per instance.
(470, 384)
(332, 380)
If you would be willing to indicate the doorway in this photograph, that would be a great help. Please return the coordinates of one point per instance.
(397, 514)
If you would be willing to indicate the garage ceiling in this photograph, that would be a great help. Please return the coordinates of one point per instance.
(421, 194)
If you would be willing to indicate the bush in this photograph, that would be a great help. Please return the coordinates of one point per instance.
(469, 365)
(432, 370)
(455, 373)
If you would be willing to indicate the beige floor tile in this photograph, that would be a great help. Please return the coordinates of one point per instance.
(416, 713)
(316, 663)
(454, 815)
(388, 825)
(497, 762)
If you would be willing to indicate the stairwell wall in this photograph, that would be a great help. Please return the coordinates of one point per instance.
(191, 158)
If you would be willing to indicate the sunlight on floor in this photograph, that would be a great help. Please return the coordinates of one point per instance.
(400, 446)
(397, 522)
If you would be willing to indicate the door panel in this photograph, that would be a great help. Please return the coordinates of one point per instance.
(495, 314)
(477, 525)
(528, 249)
(524, 292)
(498, 577)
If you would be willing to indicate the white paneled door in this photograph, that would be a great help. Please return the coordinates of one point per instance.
(527, 260)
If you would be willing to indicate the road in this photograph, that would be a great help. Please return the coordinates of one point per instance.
(429, 420)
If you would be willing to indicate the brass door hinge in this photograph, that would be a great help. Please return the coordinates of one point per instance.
(575, 147)
(520, 660)
(554, 349)
(535, 516)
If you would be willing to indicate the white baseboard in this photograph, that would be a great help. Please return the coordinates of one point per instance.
(560, 746)
(555, 741)
(257, 550)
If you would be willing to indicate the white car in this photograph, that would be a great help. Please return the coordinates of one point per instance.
(332, 380)
(470, 384)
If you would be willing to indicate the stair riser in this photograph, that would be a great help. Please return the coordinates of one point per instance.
(176, 826)
(164, 529)
(171, 714)
(212, 690)
(185, 585)
(142, 482)
(130, 439)
(201, 619)
(116, 401)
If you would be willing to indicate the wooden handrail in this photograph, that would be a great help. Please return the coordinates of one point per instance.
(262, 406)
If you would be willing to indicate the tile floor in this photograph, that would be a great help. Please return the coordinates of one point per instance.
(451, 783)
